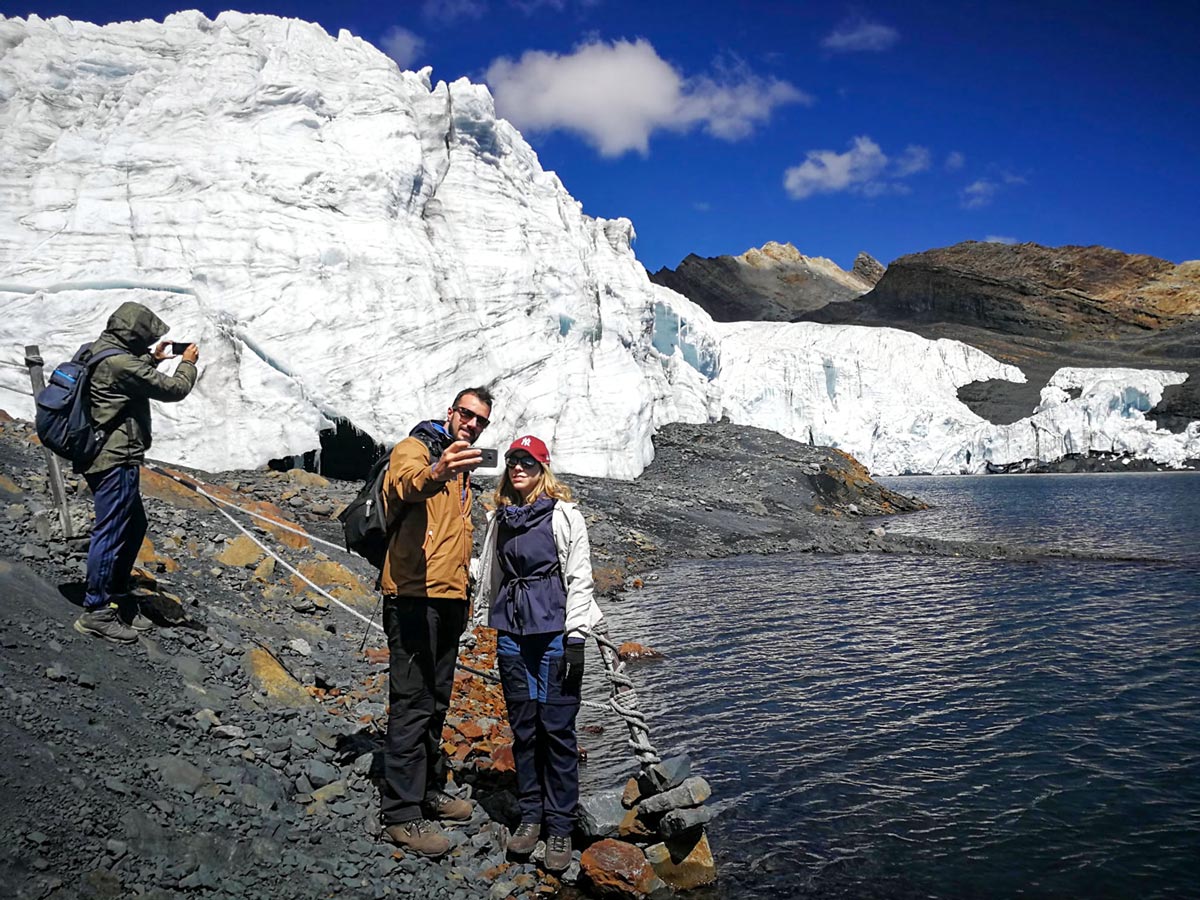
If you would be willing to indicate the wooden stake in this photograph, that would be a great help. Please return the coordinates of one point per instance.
(33, 359)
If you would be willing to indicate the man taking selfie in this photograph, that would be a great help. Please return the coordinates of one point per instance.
(425, 606)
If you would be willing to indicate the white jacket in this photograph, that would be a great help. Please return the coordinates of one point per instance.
(574, 562)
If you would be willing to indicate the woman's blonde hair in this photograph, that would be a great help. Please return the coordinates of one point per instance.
(546, 485)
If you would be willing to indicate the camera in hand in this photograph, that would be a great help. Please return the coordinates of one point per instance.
(489, 456)
(177, 347)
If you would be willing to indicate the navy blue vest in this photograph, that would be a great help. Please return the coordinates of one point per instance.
(531, 599)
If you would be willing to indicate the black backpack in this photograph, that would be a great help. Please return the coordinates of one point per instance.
(364, 524)
(64, 417)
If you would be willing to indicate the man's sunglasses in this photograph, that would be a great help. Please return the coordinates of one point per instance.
(470, 414)
(528, 463)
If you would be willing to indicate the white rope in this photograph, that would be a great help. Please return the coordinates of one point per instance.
(622, 701)
(195, 485)
(320, 590)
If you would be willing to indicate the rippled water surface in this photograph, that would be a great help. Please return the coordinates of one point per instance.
(880, 726)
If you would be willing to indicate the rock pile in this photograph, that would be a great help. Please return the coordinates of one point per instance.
(650, 835)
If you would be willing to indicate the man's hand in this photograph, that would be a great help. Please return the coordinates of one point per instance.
(458, 458)
(162, 351)
(192, 353)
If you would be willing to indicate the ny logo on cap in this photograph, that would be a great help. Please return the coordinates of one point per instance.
(525, 442)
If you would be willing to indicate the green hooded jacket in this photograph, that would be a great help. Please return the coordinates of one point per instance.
(122, 386)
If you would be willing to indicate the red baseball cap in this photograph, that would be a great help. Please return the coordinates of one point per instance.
(531, 445)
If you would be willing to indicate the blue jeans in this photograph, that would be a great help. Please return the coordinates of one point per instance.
(118, 533)
(542, 717)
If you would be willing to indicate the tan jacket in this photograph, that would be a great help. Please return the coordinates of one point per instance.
(429, 555)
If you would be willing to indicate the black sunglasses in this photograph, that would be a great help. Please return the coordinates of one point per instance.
(470, 414)
(525, 462)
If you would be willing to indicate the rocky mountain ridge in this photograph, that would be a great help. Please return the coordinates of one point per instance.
(1038, 308)
(774, 282)
(1054, 293)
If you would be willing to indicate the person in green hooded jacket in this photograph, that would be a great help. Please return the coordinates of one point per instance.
(120, 392)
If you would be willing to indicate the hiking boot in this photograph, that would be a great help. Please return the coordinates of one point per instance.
(421, 836)
(440, 805)
(104, 622)
(130, 612)
(558, 853)
(524, 839)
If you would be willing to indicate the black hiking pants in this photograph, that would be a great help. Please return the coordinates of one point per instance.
(422, 635)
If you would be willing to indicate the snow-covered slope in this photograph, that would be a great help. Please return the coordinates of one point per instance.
(348, 240)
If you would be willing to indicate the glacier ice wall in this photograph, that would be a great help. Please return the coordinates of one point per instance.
(348, 240)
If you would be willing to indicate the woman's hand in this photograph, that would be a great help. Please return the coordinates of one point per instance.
(573, 668)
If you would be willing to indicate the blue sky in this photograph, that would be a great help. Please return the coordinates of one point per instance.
(885, 127)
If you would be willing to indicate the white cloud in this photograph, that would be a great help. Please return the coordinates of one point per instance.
(532, 6)
(955, 161)
(402, 45)
(453, 10)
(824, 171)
(978, 194)
(863, 169)
(999, 239)
(914, 159)
(616, 95)
(857, 35)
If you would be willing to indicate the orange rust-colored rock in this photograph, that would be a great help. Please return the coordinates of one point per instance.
(265, 570)
(632, 794)
(608, 579)
(684, 872)
(307, 479)
(502, 759)
(8, 486)
(617, 869)
(632, 650)
(150, 558)
(339, 581)
(170, 491)
(377, 655)
(265, 670)
(240, 553)
(632, 826)
(469, 730)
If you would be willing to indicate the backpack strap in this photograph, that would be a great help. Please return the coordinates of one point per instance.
(97, 358)
(93, 360)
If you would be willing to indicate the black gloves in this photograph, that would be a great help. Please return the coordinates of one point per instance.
(573, 668)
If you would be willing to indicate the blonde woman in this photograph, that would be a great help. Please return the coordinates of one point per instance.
(536, 585)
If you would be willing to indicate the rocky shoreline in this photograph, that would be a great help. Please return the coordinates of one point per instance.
(232, 751)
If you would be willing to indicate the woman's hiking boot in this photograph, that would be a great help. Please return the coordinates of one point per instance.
(421, 836)
(558, 853)
(440, 805)
(104, 622)
(524, 839)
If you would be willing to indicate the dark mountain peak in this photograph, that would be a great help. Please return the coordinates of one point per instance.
(775, 282)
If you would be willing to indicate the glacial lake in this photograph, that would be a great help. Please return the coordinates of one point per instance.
(897, 727)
